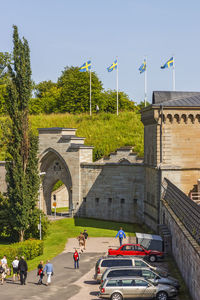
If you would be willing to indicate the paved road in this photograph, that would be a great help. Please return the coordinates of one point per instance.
(62, 287)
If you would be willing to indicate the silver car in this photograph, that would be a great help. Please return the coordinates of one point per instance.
(135, 288)
(153, 276)
(107, 262)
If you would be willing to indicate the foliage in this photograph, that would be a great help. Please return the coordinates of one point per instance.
(109, 103)
(5, 59)
(57, 185)
(47, 94)
(29, 249)
(105, 131)
(75, 91)
(141, 105)
(21, 158)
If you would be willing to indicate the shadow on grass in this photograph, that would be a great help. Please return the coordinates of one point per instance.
(111, 225)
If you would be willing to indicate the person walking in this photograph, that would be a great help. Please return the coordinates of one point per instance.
(85, 236)
(23, 268)
(49, 271)
(40, 272)
(81, 240)
(4, 260)
(76, 259)
(2, 273)
(15, 265)
(121, 235)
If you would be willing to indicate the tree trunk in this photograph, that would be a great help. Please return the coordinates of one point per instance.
(21, 236)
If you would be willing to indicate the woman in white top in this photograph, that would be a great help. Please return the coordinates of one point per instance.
(15, 264)
(4, 260)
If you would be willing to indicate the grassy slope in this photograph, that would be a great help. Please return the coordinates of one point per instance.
(105, 131)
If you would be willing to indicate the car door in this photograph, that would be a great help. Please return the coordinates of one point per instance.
(143, 289)
(129, 289)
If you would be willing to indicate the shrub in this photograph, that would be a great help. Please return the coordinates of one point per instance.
(29, 249)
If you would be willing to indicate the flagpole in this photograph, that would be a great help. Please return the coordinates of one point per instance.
(90, 92)
(117, 90)
(173, 74)
(145, 83)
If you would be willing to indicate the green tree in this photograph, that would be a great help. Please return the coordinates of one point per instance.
(22, 146)
(5, 59)
(75, 91)
(109, 102)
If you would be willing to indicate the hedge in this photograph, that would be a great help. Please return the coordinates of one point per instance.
(29, 249)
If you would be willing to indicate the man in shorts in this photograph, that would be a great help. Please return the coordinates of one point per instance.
(15, 264)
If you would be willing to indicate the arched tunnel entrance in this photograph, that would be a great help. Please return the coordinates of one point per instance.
(55, 169)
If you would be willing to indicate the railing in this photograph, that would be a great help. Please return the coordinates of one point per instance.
(195, 197)
(185, 208)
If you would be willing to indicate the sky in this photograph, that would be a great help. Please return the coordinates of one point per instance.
(69, 32)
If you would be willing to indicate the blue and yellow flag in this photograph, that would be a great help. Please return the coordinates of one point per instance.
(143, 67)
(113, 66)
(168, 64)
(86, 66)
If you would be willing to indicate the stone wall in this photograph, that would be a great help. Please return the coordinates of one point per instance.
(182, 217)
(112, 191)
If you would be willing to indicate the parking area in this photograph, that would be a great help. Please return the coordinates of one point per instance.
(67, 282)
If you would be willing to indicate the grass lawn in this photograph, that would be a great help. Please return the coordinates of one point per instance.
(60, 209)
(59, 231)
(174, 271)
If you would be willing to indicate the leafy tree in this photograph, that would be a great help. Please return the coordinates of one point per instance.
(141, 105)
(75, 91)
(109, 103)
(22, 146)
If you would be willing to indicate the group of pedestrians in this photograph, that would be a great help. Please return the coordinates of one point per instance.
(20, 269)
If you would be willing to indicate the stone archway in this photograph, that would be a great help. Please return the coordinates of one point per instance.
(56, 169)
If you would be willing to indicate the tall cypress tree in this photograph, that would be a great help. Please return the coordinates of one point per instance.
(21, 162)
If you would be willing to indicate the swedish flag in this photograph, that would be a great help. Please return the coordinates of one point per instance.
(113, 66)
(143, 67)
(86, 66)
(168, 64)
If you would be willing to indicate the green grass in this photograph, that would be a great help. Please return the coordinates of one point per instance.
(59, 231)
(174, 272)
(105, 131)
(60, 209)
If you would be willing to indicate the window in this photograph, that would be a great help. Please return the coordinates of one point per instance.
(133, 272)
(122, 201)
(128, 282)
(148, 274)
(140, 263)
(112, 283)
(109, 200)
(116, 273)
(84, 199)
(138, 248)
(123, 262)
(97, 200)
(140, 282)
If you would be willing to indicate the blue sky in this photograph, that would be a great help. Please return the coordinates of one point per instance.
(69, 32)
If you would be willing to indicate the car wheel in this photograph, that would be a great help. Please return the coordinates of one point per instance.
(162, 296)
(116, 296)
(152, 258)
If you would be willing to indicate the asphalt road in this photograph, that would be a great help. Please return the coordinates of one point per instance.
(63, 282)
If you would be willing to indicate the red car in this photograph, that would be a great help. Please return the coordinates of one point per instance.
(138, 250)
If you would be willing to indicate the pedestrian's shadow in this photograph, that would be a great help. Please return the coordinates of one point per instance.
(69, 268)
(11, 282)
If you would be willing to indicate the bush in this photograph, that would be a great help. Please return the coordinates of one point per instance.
(29, 249)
